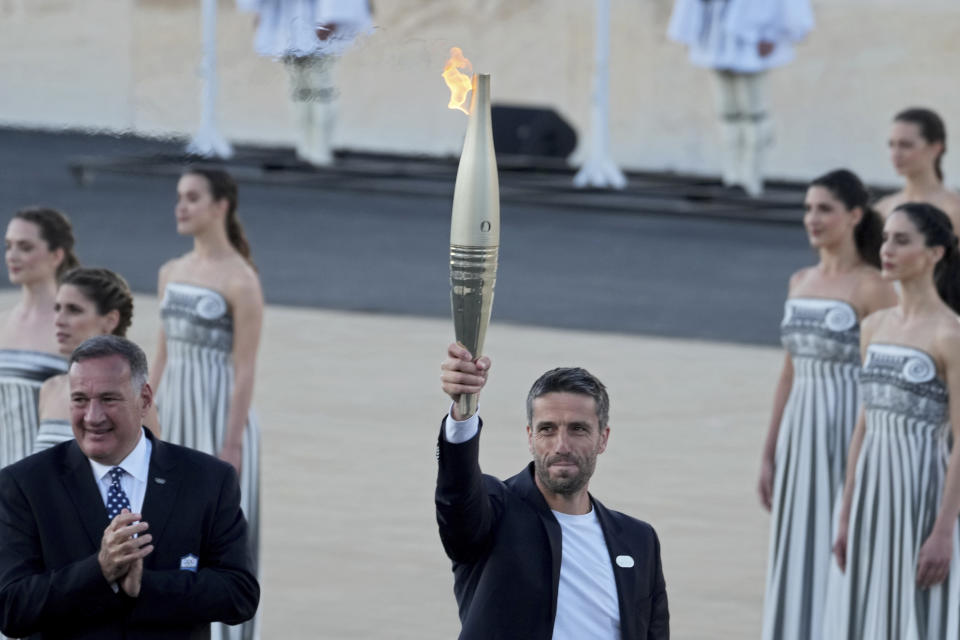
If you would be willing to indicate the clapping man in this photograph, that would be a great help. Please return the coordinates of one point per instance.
(116, 534)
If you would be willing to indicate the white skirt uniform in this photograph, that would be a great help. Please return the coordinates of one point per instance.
(287, 28)
(723, 34)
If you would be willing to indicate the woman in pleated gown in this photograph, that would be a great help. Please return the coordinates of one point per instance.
(39, 250)
(817, 398)
(212, 311)
(897, 542)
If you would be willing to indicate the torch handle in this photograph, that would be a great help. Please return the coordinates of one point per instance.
(467, 404)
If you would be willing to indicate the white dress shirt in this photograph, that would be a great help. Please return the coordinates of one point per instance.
(134, 481)
(459, 431)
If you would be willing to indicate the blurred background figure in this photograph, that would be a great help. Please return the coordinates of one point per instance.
(817, 399)
(211, 314)
(39, 250)
(308, 35)
(918, 142)
(740, 40)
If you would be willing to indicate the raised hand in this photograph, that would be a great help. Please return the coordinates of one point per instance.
(460, 374)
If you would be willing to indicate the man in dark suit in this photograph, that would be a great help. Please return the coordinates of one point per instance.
(537, 557)
(116, 534)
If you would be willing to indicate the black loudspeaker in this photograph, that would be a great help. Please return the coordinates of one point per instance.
(531, 131)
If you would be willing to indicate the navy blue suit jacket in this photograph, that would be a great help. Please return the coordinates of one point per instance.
(52, 520)
(505, 545)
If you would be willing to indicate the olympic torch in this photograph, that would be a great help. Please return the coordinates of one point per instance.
(474, 228)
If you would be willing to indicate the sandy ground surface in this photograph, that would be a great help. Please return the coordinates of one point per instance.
(350, 407)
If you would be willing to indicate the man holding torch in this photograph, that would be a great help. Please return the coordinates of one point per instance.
(536, 556)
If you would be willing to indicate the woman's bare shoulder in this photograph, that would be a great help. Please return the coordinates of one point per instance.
(885, 205)
(53, 390)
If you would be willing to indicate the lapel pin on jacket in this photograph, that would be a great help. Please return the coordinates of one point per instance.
(160, 480)
(189, 562)
(624, 561)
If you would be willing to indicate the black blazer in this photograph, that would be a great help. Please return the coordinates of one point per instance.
(505, 545)
(52, 519)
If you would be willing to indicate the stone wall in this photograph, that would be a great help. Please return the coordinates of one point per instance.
(132, 65)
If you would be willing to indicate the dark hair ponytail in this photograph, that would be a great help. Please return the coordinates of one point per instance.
(224, 187)
(107, 290)
(935, 226)
(932, 130)
(56, 231)
(846, 187)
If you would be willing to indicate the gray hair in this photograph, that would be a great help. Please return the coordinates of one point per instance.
(571, 380)
(110, 345)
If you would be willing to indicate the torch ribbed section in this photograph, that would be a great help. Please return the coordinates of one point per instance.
(473, 274)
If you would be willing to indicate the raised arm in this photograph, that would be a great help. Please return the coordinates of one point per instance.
(461, 374)
(933, 561)
(246, 299)
(780, 396)
(465, 513)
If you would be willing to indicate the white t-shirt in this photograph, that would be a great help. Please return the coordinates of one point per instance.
(587, 604)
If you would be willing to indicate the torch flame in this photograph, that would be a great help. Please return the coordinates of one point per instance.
(459, 84)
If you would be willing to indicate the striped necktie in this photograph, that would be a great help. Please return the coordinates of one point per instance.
(116, 498)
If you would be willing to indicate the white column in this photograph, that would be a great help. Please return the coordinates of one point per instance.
(599, 170)
(207, 141)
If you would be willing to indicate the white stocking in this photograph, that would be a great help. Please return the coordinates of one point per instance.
(758, 130)
(731, 126)
(313, 96)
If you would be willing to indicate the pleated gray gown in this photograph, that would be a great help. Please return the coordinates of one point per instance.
(900, 479)
(194, 398)
(22, 373)
(822, 337)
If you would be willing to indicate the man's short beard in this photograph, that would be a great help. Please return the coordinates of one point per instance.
(565, 486)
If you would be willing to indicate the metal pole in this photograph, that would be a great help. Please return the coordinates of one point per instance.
(599, 169)
(208, 142)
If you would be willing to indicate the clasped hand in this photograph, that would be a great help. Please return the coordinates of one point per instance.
(122, 549)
